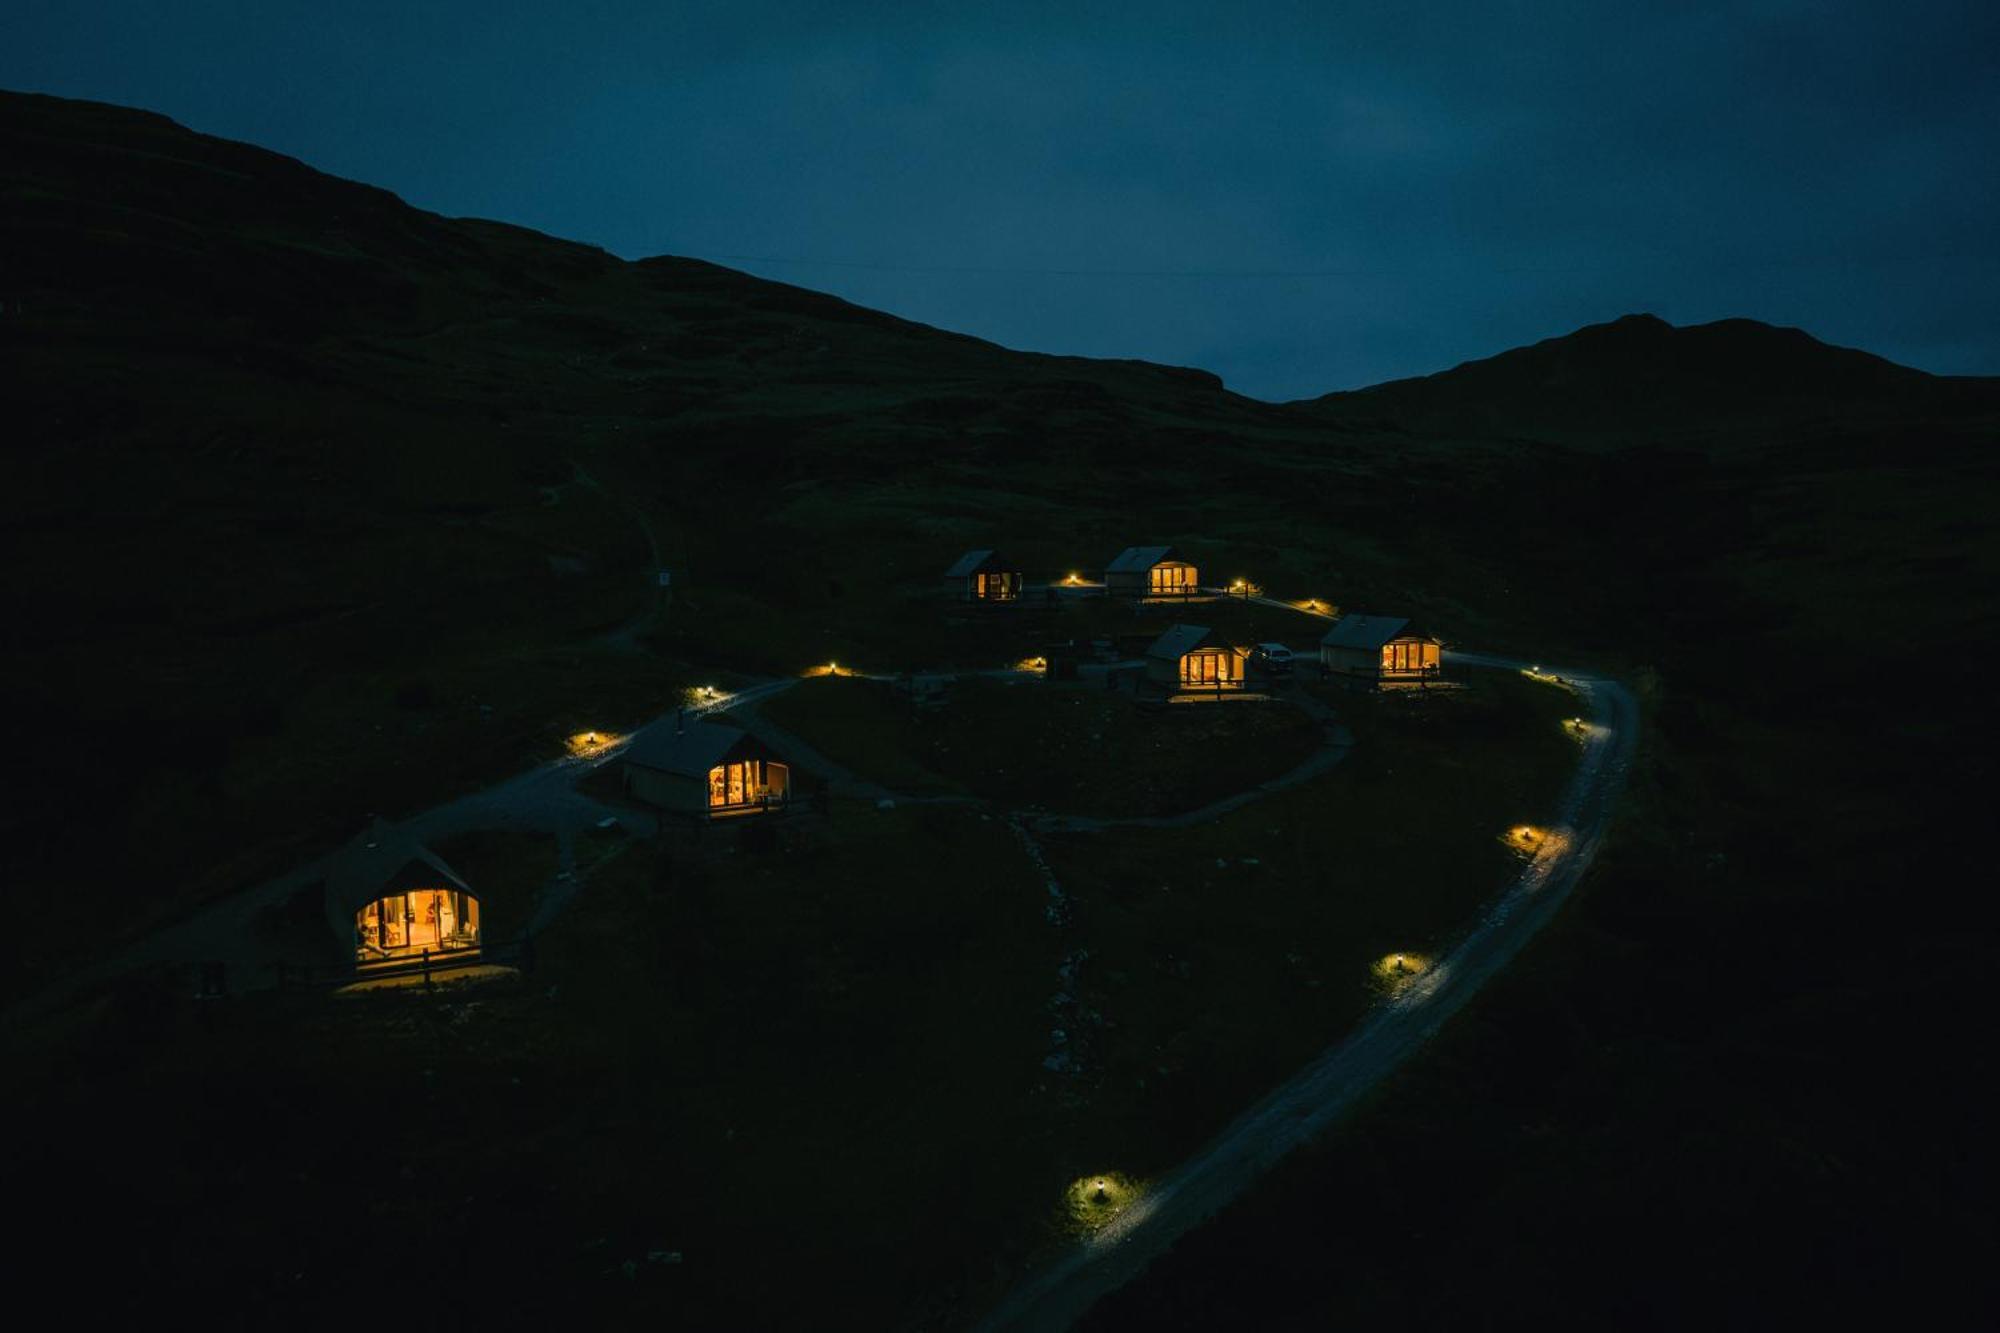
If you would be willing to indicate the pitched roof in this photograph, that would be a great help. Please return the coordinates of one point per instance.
(1134, 559)
(693, 751)
(1179, 641)
(977, 562)
(1368, 632)
(383, 861)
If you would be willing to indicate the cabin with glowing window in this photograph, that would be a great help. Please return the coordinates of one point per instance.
(1150, 571)
(707, 770)
(397, 902)
(1194, 659)
(985, 577)
(1378, 648)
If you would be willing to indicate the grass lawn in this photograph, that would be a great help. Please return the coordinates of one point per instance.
(861, 724)
(1224, 955)
(813, 1051)
(1029, 744)
(829, 1046)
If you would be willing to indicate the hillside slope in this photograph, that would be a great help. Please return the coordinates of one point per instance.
(322, 506)
(326, 505)
(320, 501)
(1640, 378)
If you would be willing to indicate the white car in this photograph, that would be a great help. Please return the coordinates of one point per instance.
(1277, 658)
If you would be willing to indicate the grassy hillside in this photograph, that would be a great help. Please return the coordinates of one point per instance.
(853, 1052)
(323, 506)
(1734, 1084)
(330, 507)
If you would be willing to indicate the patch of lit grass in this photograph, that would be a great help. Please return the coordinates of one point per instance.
(585, 744)
(1091, 1202)
(1393, 973)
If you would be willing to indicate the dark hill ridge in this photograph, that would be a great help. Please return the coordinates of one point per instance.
(321, 507)
(1640, 375)
(289, 448)
(124, 213)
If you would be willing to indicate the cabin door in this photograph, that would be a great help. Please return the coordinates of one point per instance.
(733, 784)
(395, 921)
(425, 918)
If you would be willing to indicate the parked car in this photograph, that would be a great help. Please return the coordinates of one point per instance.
(1275, 658)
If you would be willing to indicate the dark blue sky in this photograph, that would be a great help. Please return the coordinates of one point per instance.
(1300, 197)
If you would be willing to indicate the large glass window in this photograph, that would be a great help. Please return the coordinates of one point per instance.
(1211, 669)
(750, 782)
(410, 924)
(1408, 657)
(996, 587)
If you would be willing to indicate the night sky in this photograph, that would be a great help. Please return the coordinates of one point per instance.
(1318, 196)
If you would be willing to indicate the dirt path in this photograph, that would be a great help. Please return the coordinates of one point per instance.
(1058, 1295)
(543, 799)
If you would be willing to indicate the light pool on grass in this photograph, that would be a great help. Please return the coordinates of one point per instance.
(1092, 1202)
(1392, 973)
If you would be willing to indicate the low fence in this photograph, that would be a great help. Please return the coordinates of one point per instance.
(517, 953)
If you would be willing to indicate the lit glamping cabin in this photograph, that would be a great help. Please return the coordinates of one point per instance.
(1378, 648)
(1193, 659)
(399, 902)
(1150, 571)
(709, 770)
(985, 576)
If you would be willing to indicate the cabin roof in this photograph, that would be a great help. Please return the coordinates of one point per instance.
(385, 860)
(985, 561)
(1134, 559)
(1181, 640)
(700, 746)
(1369, 632)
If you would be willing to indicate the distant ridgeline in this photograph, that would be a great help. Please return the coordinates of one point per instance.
(320, 504)
(1639, 378)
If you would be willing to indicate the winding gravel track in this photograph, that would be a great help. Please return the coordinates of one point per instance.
(1055, 1297)
(543, 799)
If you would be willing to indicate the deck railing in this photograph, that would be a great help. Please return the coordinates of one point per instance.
(518, 953)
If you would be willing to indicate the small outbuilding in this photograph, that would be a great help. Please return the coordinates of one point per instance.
(708, 770)
(1379, 648)
(1150, 571)
(395, 900)
(1194, 659)
(985, 576)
